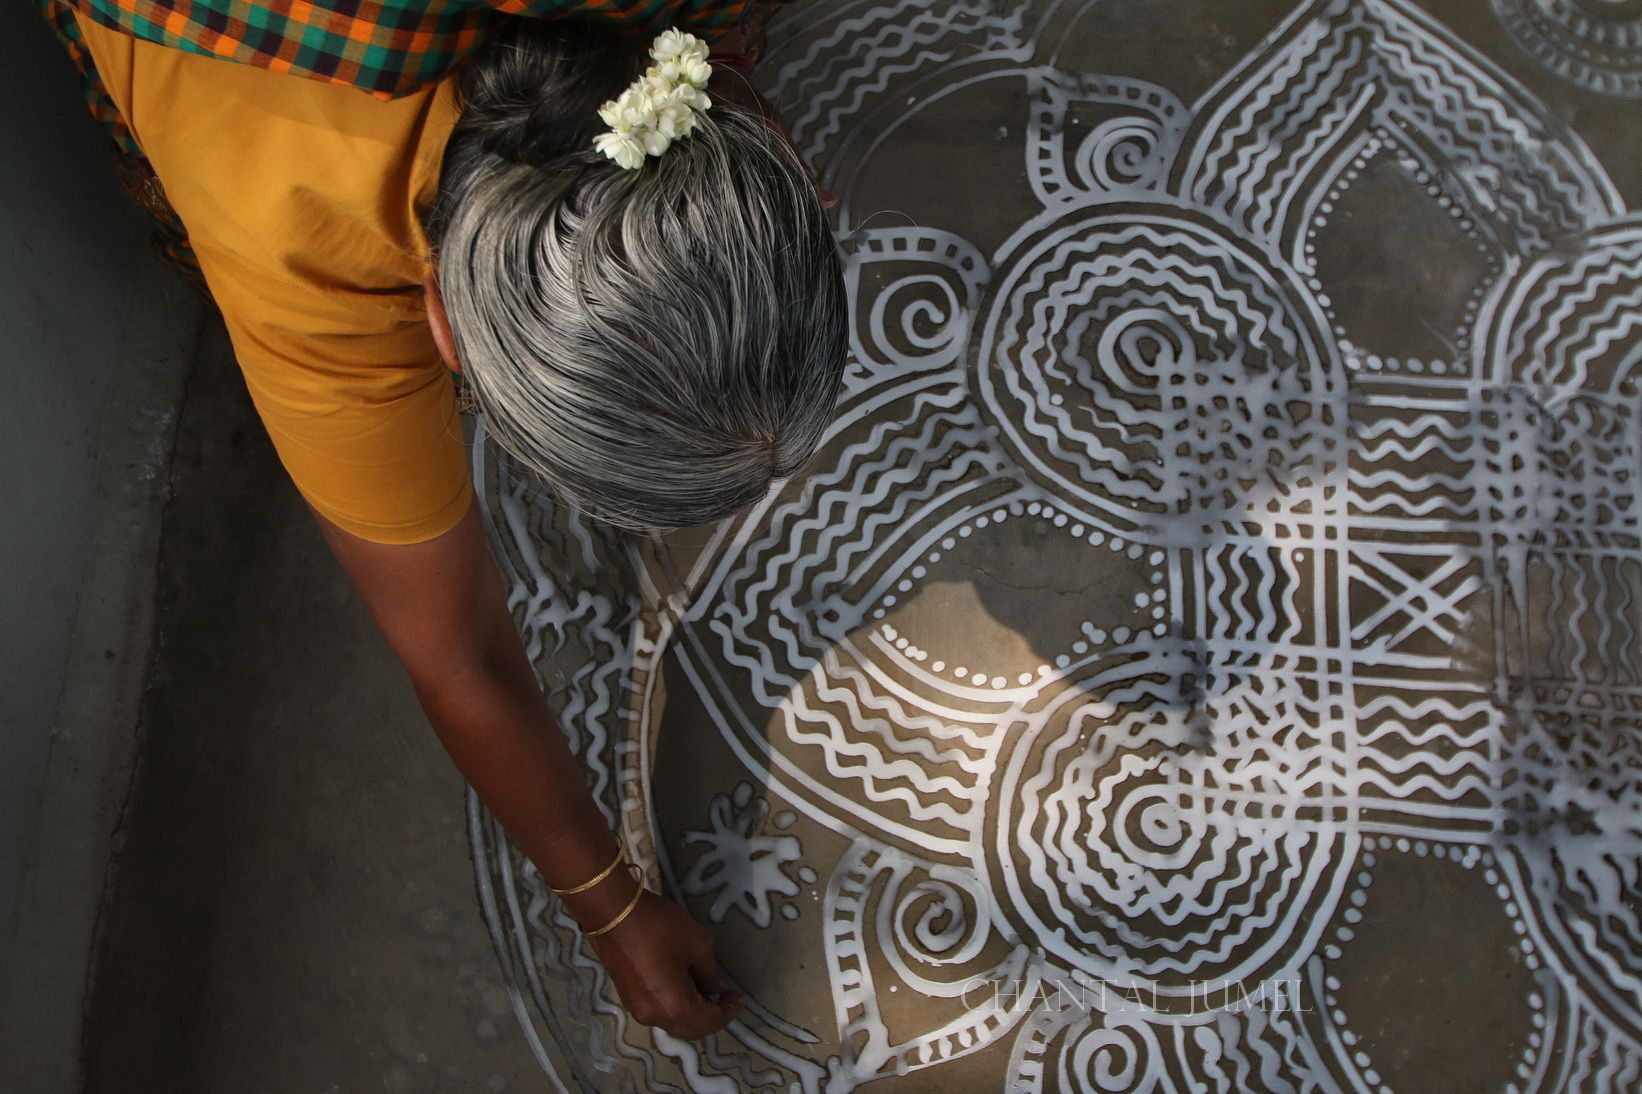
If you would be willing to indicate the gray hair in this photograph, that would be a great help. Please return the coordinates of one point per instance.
(660, 345)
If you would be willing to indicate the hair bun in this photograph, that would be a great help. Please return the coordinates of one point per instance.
(532, 94)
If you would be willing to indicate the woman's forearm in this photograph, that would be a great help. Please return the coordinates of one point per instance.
(499, 730)
(442, 605)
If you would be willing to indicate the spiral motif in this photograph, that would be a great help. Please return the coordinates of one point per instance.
(918, 310)
(1124, 860)
(937, 933)
(1070, 1049)
(1142, 362)
(932, 920)
(1103, 1059)
(919, 317)
(1120, 153)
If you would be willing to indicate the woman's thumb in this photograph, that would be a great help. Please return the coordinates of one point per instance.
(711, 981)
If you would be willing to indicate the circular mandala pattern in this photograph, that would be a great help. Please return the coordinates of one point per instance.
(1594, 43)
(1131, 621)
(1091, 1056)
(1139, 361)
(1121, 850)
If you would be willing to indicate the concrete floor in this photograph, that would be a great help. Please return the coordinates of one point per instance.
(292, 907)
(1205, 656)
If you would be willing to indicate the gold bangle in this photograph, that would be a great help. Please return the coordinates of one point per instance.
(621, 856)
(623, 914)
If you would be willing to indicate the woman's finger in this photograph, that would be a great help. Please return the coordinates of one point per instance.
(693, 1016)
(711, 981)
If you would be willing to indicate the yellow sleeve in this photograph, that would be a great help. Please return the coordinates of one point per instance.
(300, 199)
(357, 402)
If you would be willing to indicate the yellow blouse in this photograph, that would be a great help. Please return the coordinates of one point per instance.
(300, 198)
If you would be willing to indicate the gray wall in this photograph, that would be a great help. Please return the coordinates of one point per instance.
(72, 252)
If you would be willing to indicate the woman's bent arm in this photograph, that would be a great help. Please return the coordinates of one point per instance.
(442, 606)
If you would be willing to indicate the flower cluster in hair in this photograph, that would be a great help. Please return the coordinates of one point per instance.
(661, 106)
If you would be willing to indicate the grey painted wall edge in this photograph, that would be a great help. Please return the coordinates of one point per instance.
(95, 339)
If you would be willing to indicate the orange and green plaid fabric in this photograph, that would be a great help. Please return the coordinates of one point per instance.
(387, 47)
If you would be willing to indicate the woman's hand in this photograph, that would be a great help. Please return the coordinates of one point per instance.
(443, 607)
(662, 963)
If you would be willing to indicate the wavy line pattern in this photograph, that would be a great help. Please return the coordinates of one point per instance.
(1131, 621)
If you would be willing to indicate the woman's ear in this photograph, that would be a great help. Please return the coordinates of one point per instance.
(440, 322)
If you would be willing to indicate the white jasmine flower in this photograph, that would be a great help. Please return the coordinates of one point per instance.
(630, 110)
(667, 46)
(624, 148)
(671, 95)
(671, 121)
(659, 107)
(695, 71)
(674, 44)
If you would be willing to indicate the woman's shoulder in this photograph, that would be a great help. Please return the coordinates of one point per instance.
(313, 184)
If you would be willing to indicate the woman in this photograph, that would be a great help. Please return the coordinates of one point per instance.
(653, 321)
